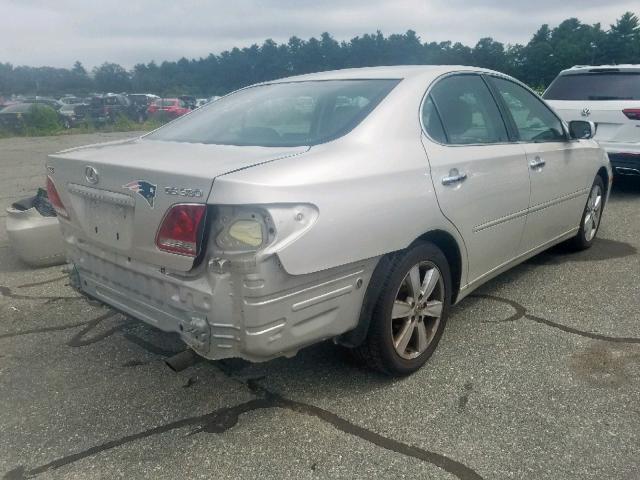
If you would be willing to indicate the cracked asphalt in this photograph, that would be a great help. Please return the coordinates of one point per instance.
(537, 377)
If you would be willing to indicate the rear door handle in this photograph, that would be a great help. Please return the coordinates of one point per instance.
(454, 177)
(537, 163)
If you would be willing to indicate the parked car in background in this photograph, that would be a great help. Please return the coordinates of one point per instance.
(168, 108)
(15, 117)
(72, 100)
(73, 110)
(201, 102)
(189, 100)
(609, 96)
(52, 102)
(354, 205)
(107, 108)
(5, 102)
(141, 103)
(12, 116)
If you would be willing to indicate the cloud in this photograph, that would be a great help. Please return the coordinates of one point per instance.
(57, 33)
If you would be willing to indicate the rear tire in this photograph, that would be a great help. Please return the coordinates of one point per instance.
(591, 217)
(410, 314)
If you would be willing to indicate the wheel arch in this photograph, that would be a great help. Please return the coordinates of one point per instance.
(452, 252)
(602, 173)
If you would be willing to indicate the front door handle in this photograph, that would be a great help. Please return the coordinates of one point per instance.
(537, 163)
(454, 177)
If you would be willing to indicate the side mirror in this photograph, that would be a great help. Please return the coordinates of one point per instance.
(581, 130)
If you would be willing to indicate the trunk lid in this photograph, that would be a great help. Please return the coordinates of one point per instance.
(613, 125)
(118, 193)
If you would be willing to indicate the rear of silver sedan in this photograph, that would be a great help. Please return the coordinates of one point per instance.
(148, 243)
(147, 233)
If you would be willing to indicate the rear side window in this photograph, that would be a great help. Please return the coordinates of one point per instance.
(468, 112)
(534, 121)
(595, 86)
(431, 121)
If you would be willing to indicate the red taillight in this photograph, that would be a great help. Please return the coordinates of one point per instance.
(181, 231)
(54, 199)
(632, 113)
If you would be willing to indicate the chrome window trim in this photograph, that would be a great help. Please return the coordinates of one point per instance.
(428, 92)
(487, 74)
(537, 97)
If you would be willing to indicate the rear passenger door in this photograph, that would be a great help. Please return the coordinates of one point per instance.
(479, 175)
(557, 166)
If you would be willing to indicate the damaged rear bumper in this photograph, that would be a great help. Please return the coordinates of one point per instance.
(34, 238)
(229, 308)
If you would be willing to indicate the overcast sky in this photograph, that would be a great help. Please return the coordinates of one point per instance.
(56, 33)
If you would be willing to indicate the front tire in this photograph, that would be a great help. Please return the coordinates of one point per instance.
(409, 315)
(591, 216)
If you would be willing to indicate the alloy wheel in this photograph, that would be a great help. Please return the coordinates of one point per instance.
(417, 310)
(593, 213)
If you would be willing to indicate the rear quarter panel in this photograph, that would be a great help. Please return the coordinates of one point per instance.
(372, 199)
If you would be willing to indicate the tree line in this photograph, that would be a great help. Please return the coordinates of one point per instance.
(536, 63)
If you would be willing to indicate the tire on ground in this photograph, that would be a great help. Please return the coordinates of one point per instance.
(377, 350)
(580, 241)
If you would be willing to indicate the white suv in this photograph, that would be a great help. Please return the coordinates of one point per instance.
(608, 95)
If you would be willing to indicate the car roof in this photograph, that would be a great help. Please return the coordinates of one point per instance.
(385, 72)
(577, 69)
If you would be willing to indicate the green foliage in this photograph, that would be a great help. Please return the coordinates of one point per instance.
(124, 123)
(44, 80)
(41, 120)
(111, 77)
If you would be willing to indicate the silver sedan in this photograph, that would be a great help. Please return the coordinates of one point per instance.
(354, 205)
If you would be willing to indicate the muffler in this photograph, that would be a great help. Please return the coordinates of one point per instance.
(183, 360)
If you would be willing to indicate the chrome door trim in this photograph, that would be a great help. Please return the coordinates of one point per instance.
(555, 201)
(536, 208)
(498, 221)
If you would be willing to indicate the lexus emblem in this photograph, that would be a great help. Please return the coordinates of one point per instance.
(91, 174)
(586, 112)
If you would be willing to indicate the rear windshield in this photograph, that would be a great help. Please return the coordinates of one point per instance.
(595, 86)
(165, 103)
(280, 114)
